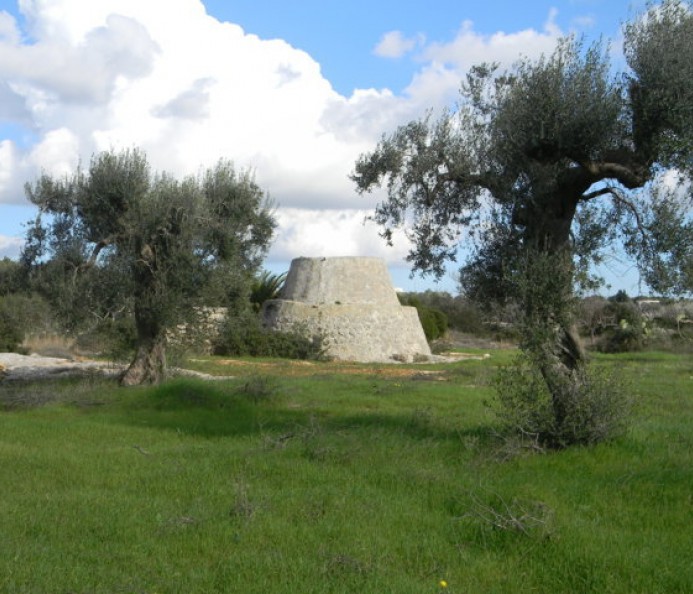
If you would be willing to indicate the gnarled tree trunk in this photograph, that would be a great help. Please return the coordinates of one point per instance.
(550, 334)
(561, 365)
(149, 364)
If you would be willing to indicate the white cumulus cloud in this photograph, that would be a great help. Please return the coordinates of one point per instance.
(470, 47)
(314, 233)
(394, 44)
(189, 89)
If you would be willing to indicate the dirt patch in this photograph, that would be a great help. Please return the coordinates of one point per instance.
(30, 367)
(459, 340)
(308, 368)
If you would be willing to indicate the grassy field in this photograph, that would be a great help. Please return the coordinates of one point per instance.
(315, 477)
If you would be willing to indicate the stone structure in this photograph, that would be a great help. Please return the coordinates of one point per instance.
(351, 303)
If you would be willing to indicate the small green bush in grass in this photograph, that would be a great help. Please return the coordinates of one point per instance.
(260, 388)
(629, 329)
(245, 336)
(491, 513)
(597, 406)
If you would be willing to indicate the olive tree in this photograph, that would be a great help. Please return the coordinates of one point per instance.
(121, 239)
(546, 166)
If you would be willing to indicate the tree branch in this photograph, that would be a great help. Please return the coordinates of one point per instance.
(93, 257)
(596, 194)
(631, 207)
(645, 236)
(483, 180)
(630, 177)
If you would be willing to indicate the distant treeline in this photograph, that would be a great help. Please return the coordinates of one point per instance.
(611, 324)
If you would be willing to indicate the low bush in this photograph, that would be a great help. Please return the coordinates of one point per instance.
(23, 315)
(467, 317)
(244, 335)
(624, 338)
(31, 313)
(433, 320)
(11, 335)
(627, 331)
(113, 338)
(596, 403)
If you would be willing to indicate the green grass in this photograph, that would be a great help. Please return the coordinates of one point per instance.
(337, 478)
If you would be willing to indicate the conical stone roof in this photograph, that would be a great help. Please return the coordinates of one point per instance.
(349, 302)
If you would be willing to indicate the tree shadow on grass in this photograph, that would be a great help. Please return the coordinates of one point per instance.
(262, 406)
(210, 410)
(257, 405)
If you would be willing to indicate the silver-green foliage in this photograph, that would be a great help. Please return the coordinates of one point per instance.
(546, 167)
(117, 239)
(596, 405)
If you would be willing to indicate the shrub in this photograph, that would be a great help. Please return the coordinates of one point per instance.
(676, 317)
(11, 335)
(625, 338)
(244, 335)
(433, 321)
(467, 317)
(113, 338)
(31, 312)
(24, 315)
(12, 278)
(596, 406)
(260, 388)
(628, 329)
(593, 316)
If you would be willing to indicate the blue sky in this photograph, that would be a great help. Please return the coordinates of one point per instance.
(294, 90)
(342, 35)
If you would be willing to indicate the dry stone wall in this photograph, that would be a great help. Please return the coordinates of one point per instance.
(352, 304)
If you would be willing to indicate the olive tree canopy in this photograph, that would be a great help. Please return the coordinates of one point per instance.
(120, 238)
(545, 167)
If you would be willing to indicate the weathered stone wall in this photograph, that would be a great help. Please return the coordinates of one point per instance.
(201, 334)
(351, 303)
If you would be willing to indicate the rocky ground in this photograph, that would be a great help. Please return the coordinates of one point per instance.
(35, 367)
(14, 366)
